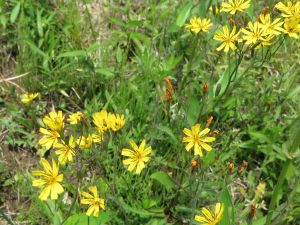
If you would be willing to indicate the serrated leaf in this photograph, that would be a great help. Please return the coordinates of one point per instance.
(164, 179)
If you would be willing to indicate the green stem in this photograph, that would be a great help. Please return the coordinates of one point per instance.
(276, 191)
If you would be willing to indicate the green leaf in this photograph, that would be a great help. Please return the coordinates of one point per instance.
(53, 214)
(192, 109)
(294, 137)
(15, 12)
(228, 208)
(142, 212)
(93, 47)
(35, 49)
(119, 55)
(164, 179)
(224, 80)
(72, 54)
(39, 23)
(169, 132)
(83, 219)
(183, 14)
(260, 136)
(134, 23)
(107, 72)
(291, 172)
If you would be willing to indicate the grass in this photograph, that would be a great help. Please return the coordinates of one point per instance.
(86, 56)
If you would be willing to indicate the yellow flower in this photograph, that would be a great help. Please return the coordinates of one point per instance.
(54, 121)
(292, 27)
(196, 138)
(136, 157)
(50, 180)
(49, 139)
(100, 120)
(228, 38)
(197, 24)
(290, 10)
(93, 200)
(211, 217)
(28, 97)
(65, 151)
(97, 138)
(232, 6)
(269, 26)
(75, 117)
(85, 142)
(255, 35)
(118, 122)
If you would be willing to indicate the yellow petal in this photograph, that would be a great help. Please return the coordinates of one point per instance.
(205, 146)
(90, 210)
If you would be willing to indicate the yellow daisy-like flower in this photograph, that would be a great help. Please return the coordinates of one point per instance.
(292, 27)
(100, 119)
(50, 180)
(228, 38)
(75, 117)
(96, 203)
(65, 151)
(119, 122)
(137, 157)
(289, 10)
(197, 25)
(28, 97)
(211, 217)
(97, 138)
(54, 121)
(232, 6)
(255, 35)
(49, 139)
(85, 142)
(269, 26)
(196, 138)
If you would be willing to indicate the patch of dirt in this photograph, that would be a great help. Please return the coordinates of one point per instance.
(14, 161)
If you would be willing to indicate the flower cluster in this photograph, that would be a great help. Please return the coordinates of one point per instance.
(66, 146)
(255, 34)
(105, 121)
(197, 25)
(56, 135)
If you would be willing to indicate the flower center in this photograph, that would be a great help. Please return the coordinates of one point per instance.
(138, 156)
(196, 138)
